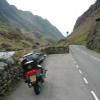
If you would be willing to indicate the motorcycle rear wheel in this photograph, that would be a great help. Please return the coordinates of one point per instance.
(37, 89)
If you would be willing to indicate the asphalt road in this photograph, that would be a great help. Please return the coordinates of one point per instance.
(88, 64)
(64, 82)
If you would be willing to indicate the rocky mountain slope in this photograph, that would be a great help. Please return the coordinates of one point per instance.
(24, 27)
(87, 29)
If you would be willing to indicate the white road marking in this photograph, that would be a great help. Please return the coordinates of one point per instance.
(94, 95)
(85, 80)
(80, 71)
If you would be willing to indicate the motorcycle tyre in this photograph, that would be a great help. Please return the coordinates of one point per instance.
(37, 89)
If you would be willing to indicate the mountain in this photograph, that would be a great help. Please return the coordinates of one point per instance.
(29, 22)
(87, 29)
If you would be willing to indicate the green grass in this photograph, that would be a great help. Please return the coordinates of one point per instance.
(79, 39)
(11, 39)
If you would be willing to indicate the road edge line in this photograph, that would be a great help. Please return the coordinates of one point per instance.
(94, 95)
(85, 80)
(80, 72)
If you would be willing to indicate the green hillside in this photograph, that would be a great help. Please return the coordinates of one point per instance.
(23, 31)
(27, 21)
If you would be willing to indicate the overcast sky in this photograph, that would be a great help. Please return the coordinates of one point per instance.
(61, 13)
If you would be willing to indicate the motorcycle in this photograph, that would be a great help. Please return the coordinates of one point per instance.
(35, 78)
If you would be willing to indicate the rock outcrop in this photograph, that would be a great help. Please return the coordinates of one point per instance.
(93, 41)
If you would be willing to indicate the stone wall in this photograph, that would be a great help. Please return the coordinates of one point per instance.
(56, 50)
(9, 73)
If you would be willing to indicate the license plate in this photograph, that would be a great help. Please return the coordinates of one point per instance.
(33, 78)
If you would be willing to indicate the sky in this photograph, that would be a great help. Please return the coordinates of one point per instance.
(61, 13)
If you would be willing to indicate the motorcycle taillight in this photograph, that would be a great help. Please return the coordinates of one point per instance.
(33, 71)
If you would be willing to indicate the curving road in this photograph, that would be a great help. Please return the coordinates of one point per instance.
(89, 65)
(63, 82)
